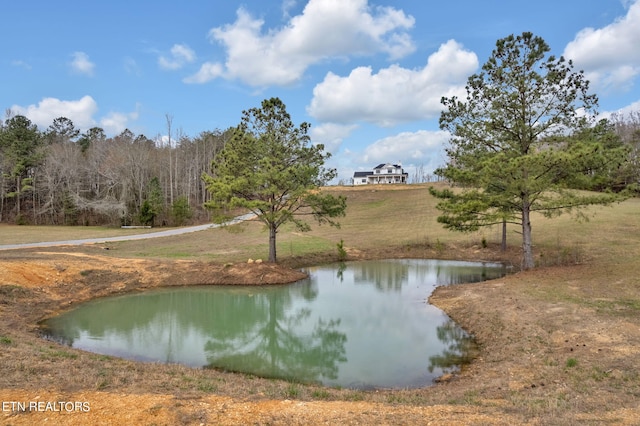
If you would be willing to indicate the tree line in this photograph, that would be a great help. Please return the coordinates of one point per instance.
(61, 176)
(265, 165)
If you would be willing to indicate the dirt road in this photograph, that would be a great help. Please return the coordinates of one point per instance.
(158, 234)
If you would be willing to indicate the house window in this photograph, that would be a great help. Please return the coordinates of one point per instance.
(378, 171)
(389, 170)
(364, 180)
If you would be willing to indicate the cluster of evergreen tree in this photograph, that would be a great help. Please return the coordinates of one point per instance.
(525, 140)
(63, 176)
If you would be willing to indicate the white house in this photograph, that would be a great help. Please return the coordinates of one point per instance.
(382, 173)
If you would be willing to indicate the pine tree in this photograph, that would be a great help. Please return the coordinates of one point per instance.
(269, 168)
(510, 149)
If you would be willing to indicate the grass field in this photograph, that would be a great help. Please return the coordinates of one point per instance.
(398, 217)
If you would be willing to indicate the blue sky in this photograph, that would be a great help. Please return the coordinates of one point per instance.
(367, 75)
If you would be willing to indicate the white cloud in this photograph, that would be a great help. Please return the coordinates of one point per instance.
(181, 54)
(131, 66)
(609, 56)
(208, 71)
(81, 64)
(330, 135)
(326, 29)
(394, 94)
(632, 108)
(329, 28)
(419, 148)
(116, 122)
(287, 5)
(80, 112)
(21, 64)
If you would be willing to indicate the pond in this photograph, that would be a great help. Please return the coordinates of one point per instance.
(360, 325)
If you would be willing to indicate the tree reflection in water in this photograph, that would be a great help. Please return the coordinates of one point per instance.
(277, 348)
(460, 348)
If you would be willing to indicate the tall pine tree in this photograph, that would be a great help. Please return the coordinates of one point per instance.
(270, 168)
(509, 146)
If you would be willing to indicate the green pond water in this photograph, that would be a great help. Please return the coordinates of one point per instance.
(359, 325)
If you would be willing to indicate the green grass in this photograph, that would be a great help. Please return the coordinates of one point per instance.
(59, 354)
(571, 362)
(320, 394)
(206, 386)
(292, 391)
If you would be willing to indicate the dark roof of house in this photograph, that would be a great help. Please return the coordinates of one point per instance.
(379, 166)
(361, 174)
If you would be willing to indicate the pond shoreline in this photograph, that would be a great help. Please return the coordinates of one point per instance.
(327, 319)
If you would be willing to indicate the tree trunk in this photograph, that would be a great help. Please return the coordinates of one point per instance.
(1, 197)
(18, 194)
(504, 235)
(33, 201)
(272, 243)
(527, 250)
(169, 121)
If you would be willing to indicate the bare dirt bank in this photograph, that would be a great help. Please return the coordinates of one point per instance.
(549, 353)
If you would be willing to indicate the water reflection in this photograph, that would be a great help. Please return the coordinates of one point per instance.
(385, 278)
(360, 325)
(459, 348)
(278, 345)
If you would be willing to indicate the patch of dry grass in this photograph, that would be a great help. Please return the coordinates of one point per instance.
(396, 216)
(402, 219)
(14, 234)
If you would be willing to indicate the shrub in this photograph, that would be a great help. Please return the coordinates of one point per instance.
(342, 253)
(181, 211)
